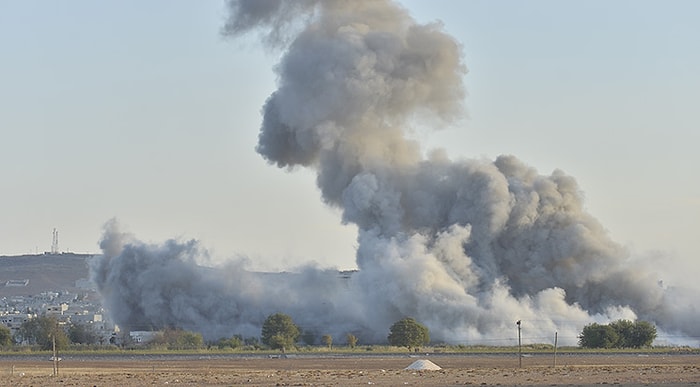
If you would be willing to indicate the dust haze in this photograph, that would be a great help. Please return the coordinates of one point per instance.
(466, 246)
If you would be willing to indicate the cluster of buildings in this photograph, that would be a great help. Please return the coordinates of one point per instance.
(79, 305)
(67, 308)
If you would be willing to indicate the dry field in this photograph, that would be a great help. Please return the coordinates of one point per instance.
(631, 370)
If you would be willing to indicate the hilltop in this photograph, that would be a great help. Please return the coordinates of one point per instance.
(24, 275)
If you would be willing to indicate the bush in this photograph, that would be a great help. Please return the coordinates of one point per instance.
(233, 342)
(5, 337)
(178, 339)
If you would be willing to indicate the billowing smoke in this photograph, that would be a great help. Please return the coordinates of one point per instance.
(154, 286)
(465, 246)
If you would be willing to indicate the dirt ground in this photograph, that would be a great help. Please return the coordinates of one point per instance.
(504, 370)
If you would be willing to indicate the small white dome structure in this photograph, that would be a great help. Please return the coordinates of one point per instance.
(423, 365)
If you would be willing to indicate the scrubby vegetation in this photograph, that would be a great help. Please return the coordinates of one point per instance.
(618, 334)
(280, 332)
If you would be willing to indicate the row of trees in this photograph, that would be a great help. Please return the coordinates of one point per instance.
(618, 334)
(42, 331)
(280, 332)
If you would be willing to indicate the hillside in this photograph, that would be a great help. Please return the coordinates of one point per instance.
(45, 272)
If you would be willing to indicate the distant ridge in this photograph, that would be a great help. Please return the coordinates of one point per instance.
(49, 254)
(37, 273)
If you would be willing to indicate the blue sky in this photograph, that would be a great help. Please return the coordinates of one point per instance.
(144, 112)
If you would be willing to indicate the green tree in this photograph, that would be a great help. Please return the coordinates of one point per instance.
(642, 335)
(351, 340)
(42, 331)
(624, 329)
(618, 334)
(327, 340)
(408, 333)
(598, 336)
(279, 331)
(5, 337)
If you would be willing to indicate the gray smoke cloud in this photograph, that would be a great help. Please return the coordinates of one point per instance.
(465, 246)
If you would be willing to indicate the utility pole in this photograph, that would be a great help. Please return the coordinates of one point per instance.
(55, 355)
(556, 334)
(520, 347)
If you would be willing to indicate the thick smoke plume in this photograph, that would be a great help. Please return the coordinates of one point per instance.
(465, 246)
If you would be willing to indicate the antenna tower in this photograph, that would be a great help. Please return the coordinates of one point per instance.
(54, 243)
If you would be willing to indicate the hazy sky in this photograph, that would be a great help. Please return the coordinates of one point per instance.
(144, 112)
